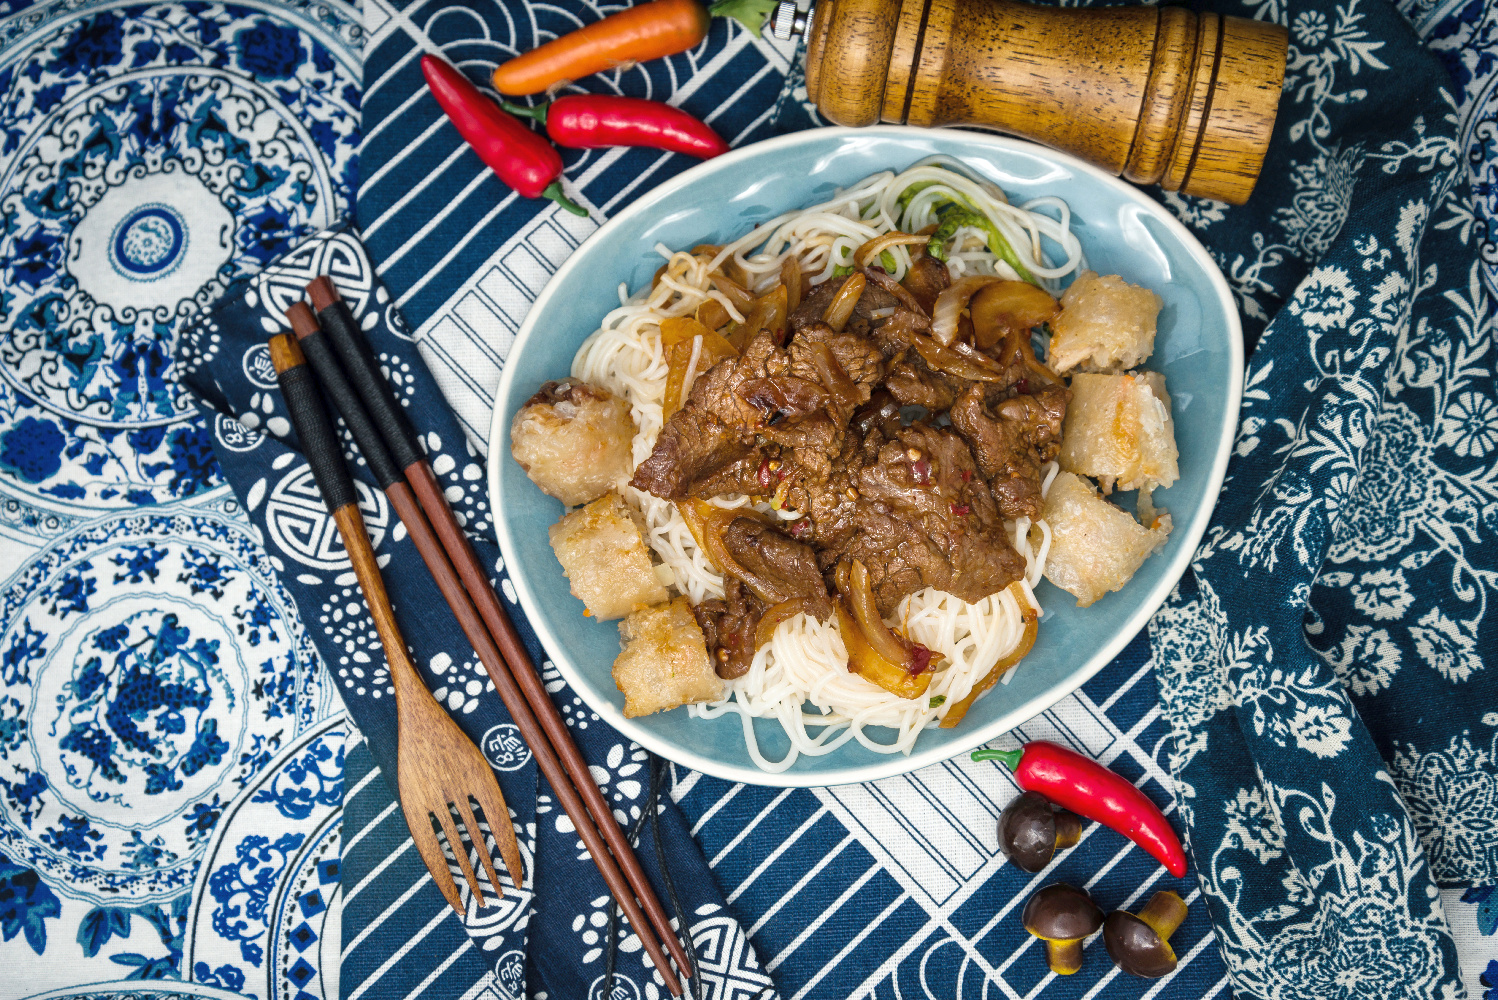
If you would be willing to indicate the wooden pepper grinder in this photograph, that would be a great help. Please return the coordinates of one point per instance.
(1157, 94)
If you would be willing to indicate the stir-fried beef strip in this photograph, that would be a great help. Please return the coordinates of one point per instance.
(813, 307)
(717, 425)
(913, 383)
(921, 517)
(728, 625)
(859, 359)
(775, 566)
(927, 278)
(750, 475)
(1011, 441)
(881, 280)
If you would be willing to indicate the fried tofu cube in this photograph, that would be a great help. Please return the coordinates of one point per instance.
(664, 662)
(603, 556)
(1105, 325)
(1119, 430)
(575, 440)
(1095, 546)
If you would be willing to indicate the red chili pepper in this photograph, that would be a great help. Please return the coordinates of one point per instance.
(522, 159)
(1089, 789)
(591, 121)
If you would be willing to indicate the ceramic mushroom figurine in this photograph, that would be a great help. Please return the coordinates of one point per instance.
(1031, 831)
(1139, 943)
(1062, 917)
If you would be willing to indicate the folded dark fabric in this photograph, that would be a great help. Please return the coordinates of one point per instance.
(556, 924)
(1321, 663)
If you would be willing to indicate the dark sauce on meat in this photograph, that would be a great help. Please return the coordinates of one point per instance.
(919, 501)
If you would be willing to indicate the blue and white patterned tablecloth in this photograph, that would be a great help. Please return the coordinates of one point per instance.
(180, 795)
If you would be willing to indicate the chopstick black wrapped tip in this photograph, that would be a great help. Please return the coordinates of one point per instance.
(319, 352)
(299, 387)
(363, 371)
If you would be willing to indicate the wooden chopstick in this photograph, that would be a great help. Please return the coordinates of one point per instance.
(552, 757)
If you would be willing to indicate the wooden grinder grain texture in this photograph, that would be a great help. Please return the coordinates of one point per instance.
(1157, 94)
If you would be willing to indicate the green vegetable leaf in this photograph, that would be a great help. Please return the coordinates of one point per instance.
(750, 13)
(954, 217)
(938, 701)
(888, 262)
(842, 270)
(906, 196)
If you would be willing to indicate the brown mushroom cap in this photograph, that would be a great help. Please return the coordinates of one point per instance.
(1062, 916)
(1027, 831)
(1140, 945)
(1031, 830)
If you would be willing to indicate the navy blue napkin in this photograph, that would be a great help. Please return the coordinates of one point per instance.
(555, 927)
(1322, 663)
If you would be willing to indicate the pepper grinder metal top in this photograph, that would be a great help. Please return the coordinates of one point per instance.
(787, 21)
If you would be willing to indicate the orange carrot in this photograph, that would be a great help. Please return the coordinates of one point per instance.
(646, 31)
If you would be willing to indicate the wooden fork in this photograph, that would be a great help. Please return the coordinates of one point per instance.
(439, 769)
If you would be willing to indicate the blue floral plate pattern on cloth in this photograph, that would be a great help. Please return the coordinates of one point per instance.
(150, 154)
(133, 717)
(265, 911)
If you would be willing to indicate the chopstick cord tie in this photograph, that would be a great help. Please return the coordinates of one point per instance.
(364, 373)
(323, 362)
(652, 812)
(303, 400)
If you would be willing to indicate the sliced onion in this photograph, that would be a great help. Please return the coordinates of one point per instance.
(706, 523)
(865, 661)
(1030, 615)
(949, 361)
(866, 611)
(778, 613)
(834, 377)
(733, 292)
(876, 246)
(768, 312)
(952, 301)
(712, 315)
(1018, 342)
(841, 308)
(899, 291)
(790, 277)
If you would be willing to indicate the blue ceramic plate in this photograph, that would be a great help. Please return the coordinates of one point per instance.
(1199, 348)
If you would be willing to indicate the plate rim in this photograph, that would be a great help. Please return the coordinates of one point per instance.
(894, 764)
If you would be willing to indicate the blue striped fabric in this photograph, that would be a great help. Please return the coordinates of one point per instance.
(839, 902)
